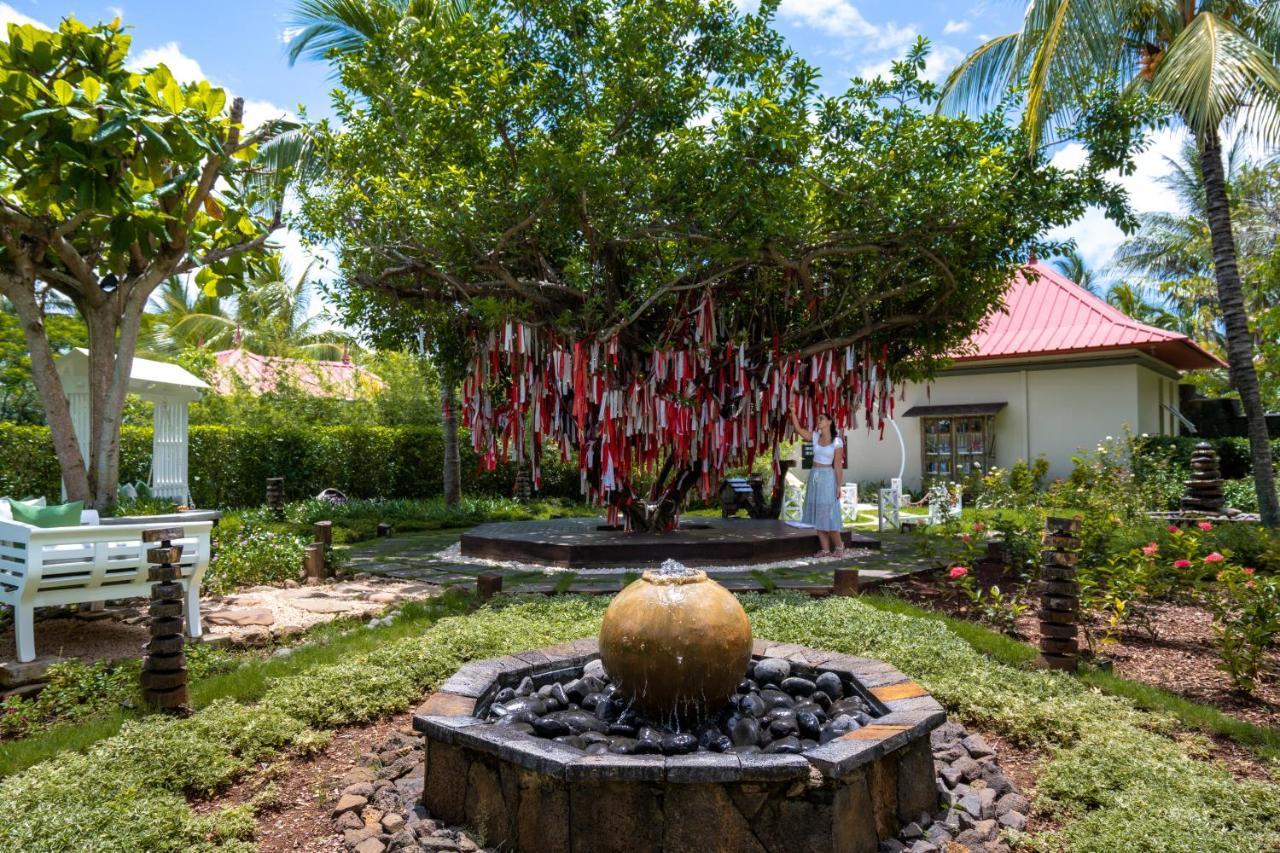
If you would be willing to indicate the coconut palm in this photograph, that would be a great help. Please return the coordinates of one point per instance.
(1209, 63)
(270, 315)
(1072, 266)
(322, 30)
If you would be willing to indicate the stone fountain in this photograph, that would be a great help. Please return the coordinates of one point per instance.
(676, 731)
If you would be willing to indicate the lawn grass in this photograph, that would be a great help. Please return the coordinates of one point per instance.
(1262, 741)
(1112, 779)
(325, 645)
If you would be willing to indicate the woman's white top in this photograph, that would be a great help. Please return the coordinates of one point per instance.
(825, 454)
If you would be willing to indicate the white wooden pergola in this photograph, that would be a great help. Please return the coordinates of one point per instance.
(170, 388)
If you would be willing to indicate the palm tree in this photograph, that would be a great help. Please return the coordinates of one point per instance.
(1072, 266)
(1209, 63)
(328, 28)
(270, 315)
(1137, 302)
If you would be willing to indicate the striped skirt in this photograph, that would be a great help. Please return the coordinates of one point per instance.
(821, 501)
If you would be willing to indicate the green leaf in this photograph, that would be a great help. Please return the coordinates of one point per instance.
(109, 130)
(207, 280)
(217, 99)
(63, 92)
(155, 138)
(92, 89)
(40, 113)
(171, 96)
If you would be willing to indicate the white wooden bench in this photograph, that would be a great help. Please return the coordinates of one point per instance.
(51, 566)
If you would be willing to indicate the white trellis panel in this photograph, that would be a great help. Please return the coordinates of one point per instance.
(169, 451)
(792, 498)
(849, 503)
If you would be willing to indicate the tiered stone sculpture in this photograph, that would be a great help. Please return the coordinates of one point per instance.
(1204, 489)
(164, 669)
(1060, 599)
(275, 496)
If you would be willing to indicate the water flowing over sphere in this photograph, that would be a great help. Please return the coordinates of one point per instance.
(675, 642)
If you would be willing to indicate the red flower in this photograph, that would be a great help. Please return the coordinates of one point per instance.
(958, 572)
(1248, 571)
(1182, 564)
(965, 537)
(1204, 525)
(979, 526)
(1151, 549)
(1215, 557)
(1251, 584)
(1175, 529)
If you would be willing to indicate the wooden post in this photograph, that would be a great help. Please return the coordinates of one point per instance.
(846, 582)
(275, 496)
(1060, 598)
(384, 529)
(324, 533)
(313, 562)
(488, 585)
(164, 668)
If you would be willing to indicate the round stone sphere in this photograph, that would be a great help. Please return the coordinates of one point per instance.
(676, 643)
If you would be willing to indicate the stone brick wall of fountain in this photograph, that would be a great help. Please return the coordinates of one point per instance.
(527, 793)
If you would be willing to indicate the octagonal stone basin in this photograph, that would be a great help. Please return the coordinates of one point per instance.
(527, 793)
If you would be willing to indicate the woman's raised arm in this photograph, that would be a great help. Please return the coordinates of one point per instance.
(806, 434)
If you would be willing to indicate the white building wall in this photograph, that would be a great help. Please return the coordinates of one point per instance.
(1051, 411)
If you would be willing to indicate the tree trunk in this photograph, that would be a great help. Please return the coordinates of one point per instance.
(1244, 378)
(71, 458)
(452, 458)
(659, 513)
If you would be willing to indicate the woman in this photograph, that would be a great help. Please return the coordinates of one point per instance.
(822, 493)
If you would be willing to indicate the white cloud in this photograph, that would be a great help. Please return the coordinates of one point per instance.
(942, 58)
(953, 27)
(256, 112)
(1097, 237)
(842, 18)
(183, 68)
(10, 15)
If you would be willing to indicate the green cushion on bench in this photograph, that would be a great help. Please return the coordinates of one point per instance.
(63, 515)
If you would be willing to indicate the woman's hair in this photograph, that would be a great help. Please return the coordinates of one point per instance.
(831, 425)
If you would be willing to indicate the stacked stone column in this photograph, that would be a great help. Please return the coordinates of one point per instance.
(1060, 598)
(1204, 489)
(164, 669)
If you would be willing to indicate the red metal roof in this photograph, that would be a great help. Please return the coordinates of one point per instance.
(1046, 313)
(263, 374)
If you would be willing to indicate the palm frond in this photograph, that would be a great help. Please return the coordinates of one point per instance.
(1211, 70)
(982, 78)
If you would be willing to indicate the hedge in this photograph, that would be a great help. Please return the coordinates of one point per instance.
(229, 465)
(1233, 453)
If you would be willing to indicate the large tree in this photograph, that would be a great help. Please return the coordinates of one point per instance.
(1208, 63)
(656, 234)
(111, 182)
(335, 30)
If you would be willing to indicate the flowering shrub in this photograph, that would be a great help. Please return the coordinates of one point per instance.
(254, 556)
(991, 605)
(1246, 620)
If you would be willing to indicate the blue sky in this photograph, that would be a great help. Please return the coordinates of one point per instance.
(239, 44)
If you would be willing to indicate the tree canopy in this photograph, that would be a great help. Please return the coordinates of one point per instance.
(649, 231)
(111, 181)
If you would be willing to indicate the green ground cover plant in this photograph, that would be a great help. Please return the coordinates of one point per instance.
(1112, 779)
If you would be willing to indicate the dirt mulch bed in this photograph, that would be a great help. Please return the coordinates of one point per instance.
(303, 790)
(1178, 654)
